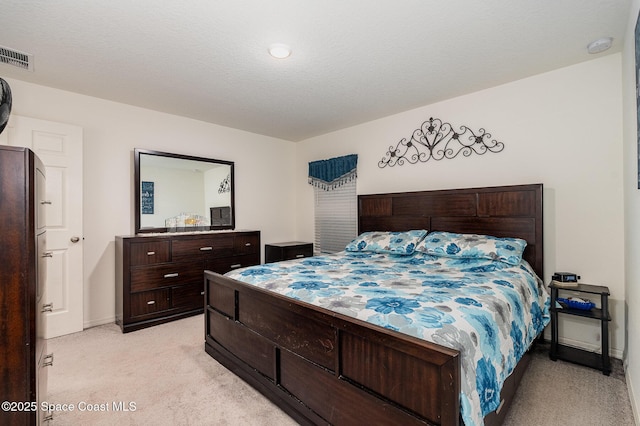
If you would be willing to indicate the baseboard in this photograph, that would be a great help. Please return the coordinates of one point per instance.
(95, 323)
(587, 346)
(632, 397)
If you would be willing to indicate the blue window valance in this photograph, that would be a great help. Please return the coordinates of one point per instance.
(334, 172)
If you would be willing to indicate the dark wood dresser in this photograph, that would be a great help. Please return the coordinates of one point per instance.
(23, 356)
(160, 278)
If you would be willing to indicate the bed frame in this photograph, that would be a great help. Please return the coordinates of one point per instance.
(322, 367)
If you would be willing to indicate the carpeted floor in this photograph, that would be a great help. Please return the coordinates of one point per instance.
(162, 376)
(561, 393)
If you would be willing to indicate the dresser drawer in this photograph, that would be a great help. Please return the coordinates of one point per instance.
(40, 198)
(287, 251)
(189, 295)
(149, 302)
(43, 255)
(220, 245)
(41, 313)
(297, 252)
(224, 265)
(166, 275)
(247, 243)
(42, 377)
(148, 253)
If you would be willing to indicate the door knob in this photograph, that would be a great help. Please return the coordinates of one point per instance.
(75, 239)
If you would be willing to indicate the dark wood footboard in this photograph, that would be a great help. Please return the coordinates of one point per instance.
(325, 368)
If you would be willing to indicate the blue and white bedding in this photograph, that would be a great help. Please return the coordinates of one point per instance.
(490, 310)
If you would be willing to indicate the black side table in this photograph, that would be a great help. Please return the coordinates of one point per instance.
(575, 355)
(275, 252)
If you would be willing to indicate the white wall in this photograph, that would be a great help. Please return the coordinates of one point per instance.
(562, 129)
(263, 174)
(632, 215)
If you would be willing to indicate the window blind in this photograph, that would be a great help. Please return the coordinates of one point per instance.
(336, 217)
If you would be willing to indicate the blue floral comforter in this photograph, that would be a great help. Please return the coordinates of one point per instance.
(488, 310)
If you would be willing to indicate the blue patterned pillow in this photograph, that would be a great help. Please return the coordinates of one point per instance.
(447, 244)
(387, 242)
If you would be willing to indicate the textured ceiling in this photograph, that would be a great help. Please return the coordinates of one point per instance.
(353, 61)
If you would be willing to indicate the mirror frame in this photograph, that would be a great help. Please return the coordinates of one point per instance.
(136, 181)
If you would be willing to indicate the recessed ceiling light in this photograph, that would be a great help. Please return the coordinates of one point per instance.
(279, 50)
(600, 45)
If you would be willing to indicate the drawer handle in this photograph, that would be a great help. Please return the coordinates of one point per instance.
(247, 244)
(173, 275)
(47, 307)
(151, 253)
(48, 360)
(151, 302)
(47, 254)
(202, 293)
(237, 265)
(206, 248)
(299, 256)
(45, 202)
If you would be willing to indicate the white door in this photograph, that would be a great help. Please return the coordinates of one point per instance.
(59, 146)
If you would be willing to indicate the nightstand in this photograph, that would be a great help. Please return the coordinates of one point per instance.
(575, 355)
(275, 252)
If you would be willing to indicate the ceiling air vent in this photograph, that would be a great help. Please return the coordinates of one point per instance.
(16, 58)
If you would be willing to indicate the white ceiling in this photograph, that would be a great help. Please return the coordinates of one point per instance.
(353, 60)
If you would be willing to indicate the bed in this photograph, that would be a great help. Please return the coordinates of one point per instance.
(329, 366)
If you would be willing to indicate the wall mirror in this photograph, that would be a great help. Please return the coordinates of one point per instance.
(178, 193)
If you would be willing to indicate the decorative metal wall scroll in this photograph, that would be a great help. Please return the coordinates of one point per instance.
(437, 139)
(225, 185)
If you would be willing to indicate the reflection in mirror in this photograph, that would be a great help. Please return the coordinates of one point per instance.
(182, 193)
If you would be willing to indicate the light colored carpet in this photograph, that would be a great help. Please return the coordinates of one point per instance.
(165, 372)
(561, 393)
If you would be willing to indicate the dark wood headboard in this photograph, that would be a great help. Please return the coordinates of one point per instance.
(501, 211)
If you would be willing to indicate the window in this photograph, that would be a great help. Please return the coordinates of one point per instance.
(336, 216)
(336, 210)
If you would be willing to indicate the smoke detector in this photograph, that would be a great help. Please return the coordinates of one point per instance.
(599, 45)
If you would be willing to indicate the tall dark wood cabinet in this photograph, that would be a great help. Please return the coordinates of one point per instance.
(160, 278)
(23, 356)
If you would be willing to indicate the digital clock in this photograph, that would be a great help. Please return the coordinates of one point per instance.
(565, 277)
